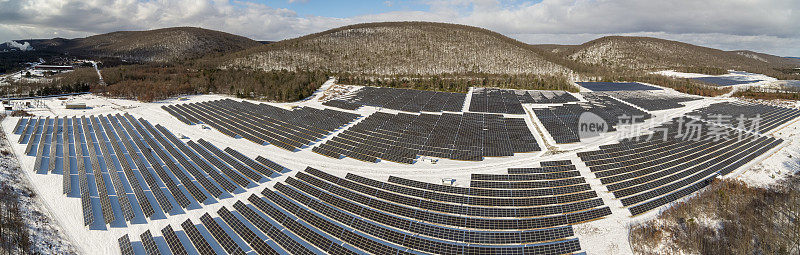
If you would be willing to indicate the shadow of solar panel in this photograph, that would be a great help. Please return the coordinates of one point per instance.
(162, 148)
(122, 157)
(173, 242)
(220, 235)
(125, 245)
(245, 233)
(321, 212)
(149, 243)
(148, 147)
(200, 244)
(126, 135)
(232, 174)
(282, 239)
(181, 156)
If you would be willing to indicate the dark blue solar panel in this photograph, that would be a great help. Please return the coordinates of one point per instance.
(616, 86)
(724, 81)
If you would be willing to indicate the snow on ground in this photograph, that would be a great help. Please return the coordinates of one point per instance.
(604, 236)
(760, 80)
(778, 164)
(46, 236)
(738, 75)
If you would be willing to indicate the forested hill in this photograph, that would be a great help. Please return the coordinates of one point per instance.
(647, 53)
(399, 48)
(160, 45)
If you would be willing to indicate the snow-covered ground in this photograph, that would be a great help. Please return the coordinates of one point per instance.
(604, 236)
(47, 236)
(759, 80)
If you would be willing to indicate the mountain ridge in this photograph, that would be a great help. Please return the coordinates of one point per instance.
(650, 53)
(157, 45)
(414, 48)
(398, 48)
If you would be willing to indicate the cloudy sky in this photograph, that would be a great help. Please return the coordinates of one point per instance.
(770, 26)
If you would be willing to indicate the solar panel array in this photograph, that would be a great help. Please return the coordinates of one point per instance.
(771, 116)
(616, 86)
(651, 101)
(316, 212)
(125, 246)
(510, 101)
(409, 100)
(173, 241)
(647, 173)
(402, 137)
(119, 150)
(66, 155)
(198, 241)
(725, 81)
(149, 243)
(262, 123)
(562, 121)
(342, 104)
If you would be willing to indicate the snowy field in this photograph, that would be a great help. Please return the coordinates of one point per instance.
(746, 79)
(605, 236)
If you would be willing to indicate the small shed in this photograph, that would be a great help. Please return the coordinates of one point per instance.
(74, 105)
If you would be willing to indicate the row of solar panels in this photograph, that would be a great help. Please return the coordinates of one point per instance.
(315, 212)
(648, 173)
(408, 100)
(728, 113)
(262, 123)
(726, 81)
(493, 100)
(562, 121)
(109, 155)
(342, 104)
(651, 101)
(402, 137)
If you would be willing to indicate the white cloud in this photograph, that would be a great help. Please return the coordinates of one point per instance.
(764, 25)
(765, 17)
(37, 18)
(20, 46)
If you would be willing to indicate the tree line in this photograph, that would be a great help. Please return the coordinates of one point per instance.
(451, 82)
(767, 94)
(149, 83)
(79, 80)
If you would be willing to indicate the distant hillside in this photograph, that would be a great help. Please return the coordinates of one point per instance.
(768, 58)
(399, 48)
(646, 53)
(160, 45)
